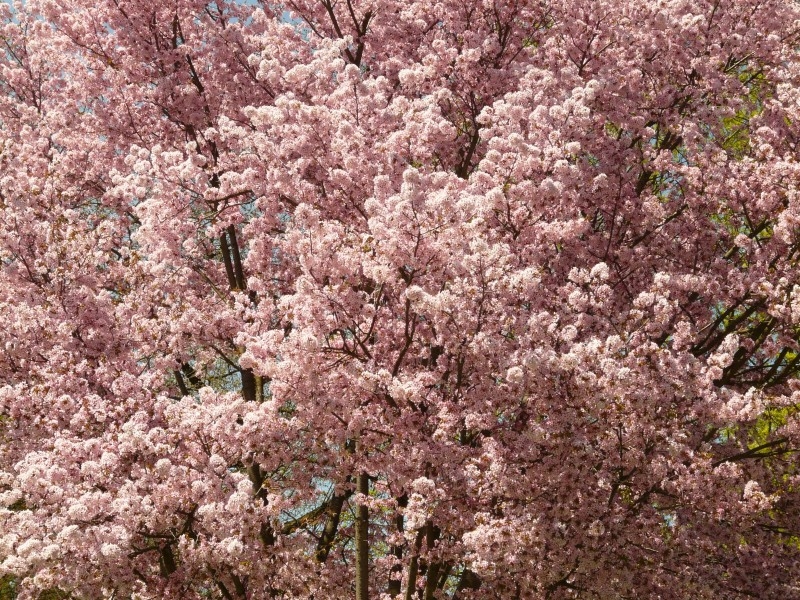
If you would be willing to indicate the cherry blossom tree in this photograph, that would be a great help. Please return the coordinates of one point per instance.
(400, 299)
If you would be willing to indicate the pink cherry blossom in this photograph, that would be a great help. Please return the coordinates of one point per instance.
(400, 299)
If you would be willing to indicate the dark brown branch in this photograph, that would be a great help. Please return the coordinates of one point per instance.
(328, 4)
(710, 342)
(167, 561)
(433, 569)
(226, 257)
(752, 452)
(644, 179)
(224, 590)
(397, 551)
(181, 383)
(191, 375)
(445, 575)
(468, 581)
(463, 169)
(249, 385)
(362, 540)
(413, 567)
(257, 478)
(410, 328)
(237, 258)
(237, 583)
(432, 580)
(334, 511)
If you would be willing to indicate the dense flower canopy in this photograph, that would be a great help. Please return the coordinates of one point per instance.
(400, 298)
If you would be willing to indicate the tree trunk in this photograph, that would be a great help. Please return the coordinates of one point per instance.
(362, 541)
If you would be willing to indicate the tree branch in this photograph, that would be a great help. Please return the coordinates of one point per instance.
(753, 452)
(362, 540)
